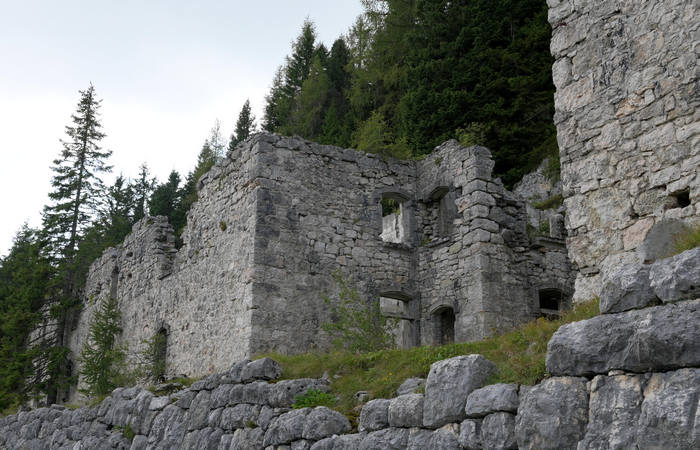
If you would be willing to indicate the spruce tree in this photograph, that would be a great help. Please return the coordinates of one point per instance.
(245, 126)
(166, 200)
(76, 198)
(25, 274)
(273, 102)
(143, 187)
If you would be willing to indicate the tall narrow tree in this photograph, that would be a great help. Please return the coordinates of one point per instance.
(75, 201)
(143, 187)
(245, 126)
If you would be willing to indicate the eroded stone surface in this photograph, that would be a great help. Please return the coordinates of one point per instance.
(651, 339)
(449, 383)
(553, 414)
(492, 398)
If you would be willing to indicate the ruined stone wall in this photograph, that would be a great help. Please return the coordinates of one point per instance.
(201, 295)
(487, 268)
(628, 125)
(279, 217)
(319, 213)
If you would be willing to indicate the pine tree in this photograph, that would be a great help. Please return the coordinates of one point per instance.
(216, 140)
(245, 126)
(301, 59)
(306, 119)
(76, 199)
(143, 187)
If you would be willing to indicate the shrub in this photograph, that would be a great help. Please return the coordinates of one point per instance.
(102, 359)
(358, 325)
(687, 240)
(473, 134)
(151, 360)
(313, 397)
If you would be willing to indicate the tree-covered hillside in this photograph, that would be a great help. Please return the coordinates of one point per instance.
(411, 74)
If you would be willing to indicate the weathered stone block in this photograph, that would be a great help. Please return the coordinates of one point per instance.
(614, 409)
(498, 431)
(374, 415)
(677, 278)
(626, 287)
(553, 414)
(449, 383)
(286, 428)
(651, 339)
(406, 411)
(388, 438)
(322, 422)
(492, 398)
(671, 410)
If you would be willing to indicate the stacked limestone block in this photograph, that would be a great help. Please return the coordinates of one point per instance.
(231, 410)
(628, 124)
(641, 357)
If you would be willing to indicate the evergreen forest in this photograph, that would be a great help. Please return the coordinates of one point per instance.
(408, 75)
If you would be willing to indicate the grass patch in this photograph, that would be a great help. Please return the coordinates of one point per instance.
(519, 355)
(686, 241)
(554, 201)
(312, 398)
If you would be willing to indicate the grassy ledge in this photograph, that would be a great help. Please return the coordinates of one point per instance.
(519, 355)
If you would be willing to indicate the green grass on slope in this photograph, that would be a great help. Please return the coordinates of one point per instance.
(519, 355)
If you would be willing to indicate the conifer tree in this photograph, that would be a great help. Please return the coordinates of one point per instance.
(24, 279)
(166, 201)
(143, 187)
(245, 126)
(273, 102)
(76, 198)
(102, 358)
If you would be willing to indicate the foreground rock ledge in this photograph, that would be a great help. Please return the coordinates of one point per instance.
(649, 340)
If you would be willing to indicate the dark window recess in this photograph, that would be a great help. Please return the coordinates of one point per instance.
(445, 319)
(550, 302)
(679, 199)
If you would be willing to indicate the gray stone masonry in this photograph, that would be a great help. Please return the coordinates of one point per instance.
(278, 217)
(628, 125)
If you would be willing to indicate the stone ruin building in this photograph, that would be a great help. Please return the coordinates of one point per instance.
(451, 260)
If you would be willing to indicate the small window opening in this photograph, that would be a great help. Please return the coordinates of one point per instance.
(679, 199)
(445, 326)
(394, 219)
(550, 302)
(114, 283)
(159, 349)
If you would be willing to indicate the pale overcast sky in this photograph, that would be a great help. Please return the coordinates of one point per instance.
(165, 71)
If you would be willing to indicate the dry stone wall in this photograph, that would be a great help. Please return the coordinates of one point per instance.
(628, 125)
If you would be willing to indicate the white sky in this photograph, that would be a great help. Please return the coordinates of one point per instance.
(165, 71)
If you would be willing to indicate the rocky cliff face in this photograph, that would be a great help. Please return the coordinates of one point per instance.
(628, 125)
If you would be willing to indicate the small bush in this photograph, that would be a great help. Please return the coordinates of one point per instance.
(687, 240)
(223, 225)
(313, 397)
(473, 134)
(358, 325)
(150, 365)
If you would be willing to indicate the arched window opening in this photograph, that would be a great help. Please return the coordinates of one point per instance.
(550, 301)
(444, 319)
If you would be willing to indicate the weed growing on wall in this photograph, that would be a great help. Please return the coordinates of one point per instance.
(358, 325)
(102, 359)
(687, 240)
(312, 398)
